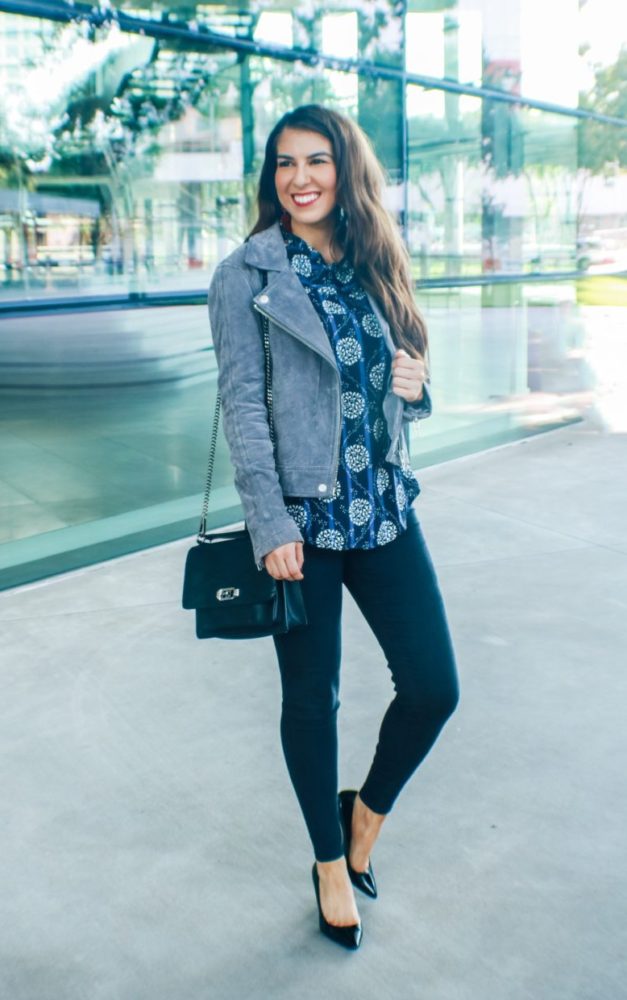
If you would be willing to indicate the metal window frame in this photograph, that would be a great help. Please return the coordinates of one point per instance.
(60, 10)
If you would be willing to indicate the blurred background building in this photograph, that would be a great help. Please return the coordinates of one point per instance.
(131, 135)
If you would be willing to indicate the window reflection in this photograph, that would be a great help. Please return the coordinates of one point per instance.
(128, 168)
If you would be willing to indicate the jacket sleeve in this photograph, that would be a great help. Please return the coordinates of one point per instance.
(420, 409)
(238, 345)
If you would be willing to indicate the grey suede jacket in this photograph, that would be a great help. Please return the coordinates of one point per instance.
(306, 389)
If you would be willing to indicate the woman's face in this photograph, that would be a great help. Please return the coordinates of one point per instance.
(305, 176)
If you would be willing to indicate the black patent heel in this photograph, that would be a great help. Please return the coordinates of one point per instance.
(364, 881)
(349, 937)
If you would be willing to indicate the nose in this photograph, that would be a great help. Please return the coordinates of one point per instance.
(301, 177)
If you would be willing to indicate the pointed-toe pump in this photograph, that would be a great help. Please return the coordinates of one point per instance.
(361, 880)
(350, 936)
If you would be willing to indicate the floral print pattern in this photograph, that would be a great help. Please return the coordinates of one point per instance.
(368, 505)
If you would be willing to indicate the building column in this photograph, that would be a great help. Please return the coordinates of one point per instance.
(381, 103)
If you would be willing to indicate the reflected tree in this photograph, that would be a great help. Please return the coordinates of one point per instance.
(601, 147)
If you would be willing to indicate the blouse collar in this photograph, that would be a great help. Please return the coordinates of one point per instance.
(297, 246)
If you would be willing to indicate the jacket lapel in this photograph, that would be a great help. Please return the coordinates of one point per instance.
(267, 250)
(286, 302)
(284, 299)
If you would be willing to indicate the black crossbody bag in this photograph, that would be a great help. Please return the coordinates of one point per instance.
(232, 598)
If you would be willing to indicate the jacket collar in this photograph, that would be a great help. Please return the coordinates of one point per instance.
(267, 250)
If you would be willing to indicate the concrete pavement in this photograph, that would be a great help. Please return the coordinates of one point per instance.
(152, 847)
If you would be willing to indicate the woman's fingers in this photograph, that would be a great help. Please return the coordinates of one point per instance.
(403, 364)
(285, 562)
(408, 375)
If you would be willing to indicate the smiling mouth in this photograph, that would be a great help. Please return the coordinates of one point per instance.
(302, 200)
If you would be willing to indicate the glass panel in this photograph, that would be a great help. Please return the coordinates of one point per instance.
(512, 359)
(125, 174)
(340, 38)
(553, 50)
(131, 169)
(496, 188)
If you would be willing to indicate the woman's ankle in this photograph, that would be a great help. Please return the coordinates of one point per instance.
(331, 866)
(367, 811)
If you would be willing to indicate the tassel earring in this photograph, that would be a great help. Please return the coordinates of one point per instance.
(286, 221)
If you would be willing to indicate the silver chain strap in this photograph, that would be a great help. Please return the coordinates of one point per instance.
(216, 419)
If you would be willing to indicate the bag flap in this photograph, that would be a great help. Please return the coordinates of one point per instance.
(216, 566)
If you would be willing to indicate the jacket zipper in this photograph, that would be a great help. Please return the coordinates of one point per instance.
(307, 344)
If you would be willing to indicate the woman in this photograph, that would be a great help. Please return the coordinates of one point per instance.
(330, 503)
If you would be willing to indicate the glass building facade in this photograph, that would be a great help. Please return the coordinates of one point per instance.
(131, 136)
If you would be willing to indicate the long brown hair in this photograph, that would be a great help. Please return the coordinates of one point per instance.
(364, 230)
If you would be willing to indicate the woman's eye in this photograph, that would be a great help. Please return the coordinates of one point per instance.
(286, 163)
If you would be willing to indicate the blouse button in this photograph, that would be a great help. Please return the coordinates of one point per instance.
(264, 299)
(322, 488)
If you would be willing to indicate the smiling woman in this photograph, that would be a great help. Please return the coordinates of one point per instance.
(306, 182)
(328, 500)
(318, 153)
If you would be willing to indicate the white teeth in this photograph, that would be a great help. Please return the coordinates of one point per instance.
(305, 199)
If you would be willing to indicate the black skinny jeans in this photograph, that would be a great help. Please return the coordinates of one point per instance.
(396, 589)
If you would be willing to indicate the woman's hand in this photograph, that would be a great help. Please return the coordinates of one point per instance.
(408, 375)
(285, 562)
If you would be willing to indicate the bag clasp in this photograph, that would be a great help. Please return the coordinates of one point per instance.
(227, 593)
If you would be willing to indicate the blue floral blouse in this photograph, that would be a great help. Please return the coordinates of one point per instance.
(371, 497)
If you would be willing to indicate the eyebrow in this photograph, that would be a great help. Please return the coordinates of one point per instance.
(286, 156)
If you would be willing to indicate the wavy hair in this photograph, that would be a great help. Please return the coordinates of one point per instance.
(364, 231)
